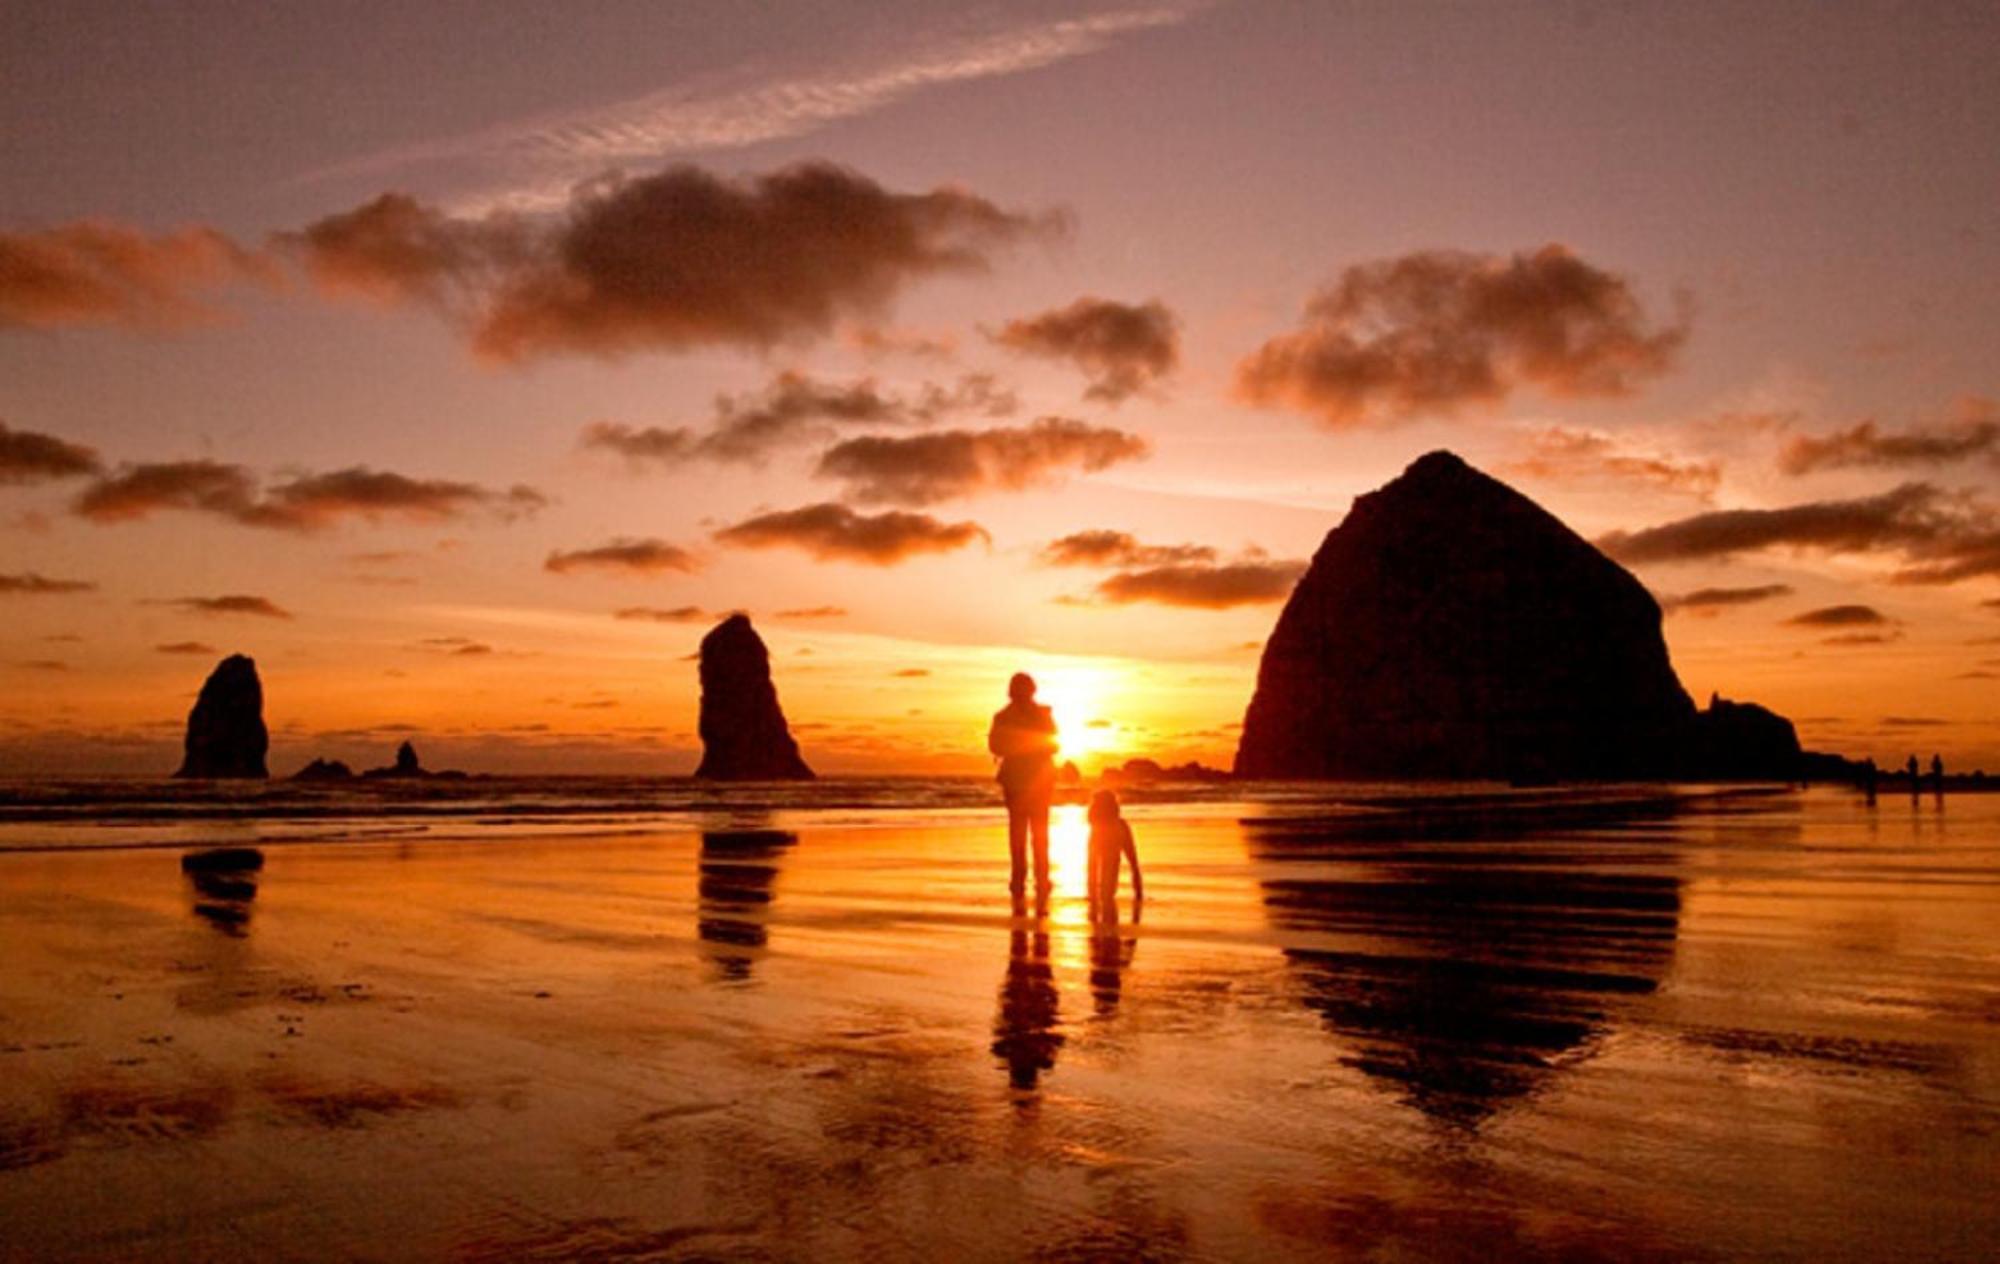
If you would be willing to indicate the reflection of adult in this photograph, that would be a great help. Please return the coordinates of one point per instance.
(1023, 739)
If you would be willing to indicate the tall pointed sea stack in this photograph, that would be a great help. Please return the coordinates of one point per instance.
(1451, 627)
(225, 731)
(743, 733)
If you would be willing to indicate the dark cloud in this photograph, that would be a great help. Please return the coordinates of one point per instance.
(927, 468)
(1244, 583)
(1862, 638)
(645, 557)
(29, 583)
(307, 502)
(1973, 431)
(1561, 454)
(1119, 548)
(95, 273)
(1944, 537)
(678, 259)
(814, 612)
(1840, 617)
(653, 614)
(1437, 332)
(834, 532)
(1707, 601)
(28, 456)
(43, 664)
(185, 647)
(796, 408)
(911, 673)
(234, 603)
(1123, 347)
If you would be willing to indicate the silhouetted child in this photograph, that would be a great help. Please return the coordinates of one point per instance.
(1110, 841)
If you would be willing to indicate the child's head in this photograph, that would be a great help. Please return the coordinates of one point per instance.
(1103, 807)
(1021, 688)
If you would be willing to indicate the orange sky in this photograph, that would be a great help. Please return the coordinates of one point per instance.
(478, 326)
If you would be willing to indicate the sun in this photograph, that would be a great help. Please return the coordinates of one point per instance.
(1082, 697)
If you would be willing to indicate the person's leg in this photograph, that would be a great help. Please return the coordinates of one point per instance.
(1038, 826)
(1017, 847)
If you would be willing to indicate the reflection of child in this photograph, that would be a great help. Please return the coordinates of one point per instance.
(1110, 841)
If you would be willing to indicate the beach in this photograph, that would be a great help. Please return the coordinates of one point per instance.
(1384, 1024)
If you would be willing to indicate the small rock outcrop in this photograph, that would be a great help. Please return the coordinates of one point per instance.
(324, 770)
(1147, 772)
(743, 731)
(226, 736)
(408, 766)
(1452, 628)
(1741, 740)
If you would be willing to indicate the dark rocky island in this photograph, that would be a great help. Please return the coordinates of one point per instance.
(325, 770)
(226, 737)
(1452, 628)
(409, 767)
(743, 732)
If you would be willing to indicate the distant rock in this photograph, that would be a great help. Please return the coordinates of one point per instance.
(743, 732)
(1146, 772)
(409, 767)
(225, 730)
(1452, 628)
(324, 770)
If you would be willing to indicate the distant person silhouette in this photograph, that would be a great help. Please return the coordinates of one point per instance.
(1111, 841)
(1869, 774)
(1023, 739)
(1916, 780)
(1937, 775)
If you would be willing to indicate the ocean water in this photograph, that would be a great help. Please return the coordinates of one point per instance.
(568, 1019)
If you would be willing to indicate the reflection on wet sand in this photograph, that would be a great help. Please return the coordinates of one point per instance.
(1111, 955)
(737, 880)
(225, 883)
(1025, 1035)
(1463, 974)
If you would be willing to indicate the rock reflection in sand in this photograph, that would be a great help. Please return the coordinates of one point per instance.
(225, 883)
(1455, 965)
(738, 880)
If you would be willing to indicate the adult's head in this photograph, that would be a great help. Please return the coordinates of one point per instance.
(1021, 688)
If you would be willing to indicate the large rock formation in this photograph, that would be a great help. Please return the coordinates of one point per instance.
(743, 733)
(1451, 627)
(225, 730)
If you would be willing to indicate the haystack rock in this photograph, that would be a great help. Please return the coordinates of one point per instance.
(743, 733)
(1452, 628)
(225, 730)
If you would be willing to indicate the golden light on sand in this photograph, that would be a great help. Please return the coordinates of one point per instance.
(1069, 849)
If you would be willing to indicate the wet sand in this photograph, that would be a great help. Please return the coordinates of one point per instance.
(1750, 1026)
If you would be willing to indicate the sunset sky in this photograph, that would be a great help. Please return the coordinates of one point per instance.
(464, 362)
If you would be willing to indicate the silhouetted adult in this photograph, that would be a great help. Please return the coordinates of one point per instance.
(1937, 775)
(1023, 739)
(1916, 781)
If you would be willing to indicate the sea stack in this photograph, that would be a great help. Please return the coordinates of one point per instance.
(225, 731)
(743, 732)
(1452, 628)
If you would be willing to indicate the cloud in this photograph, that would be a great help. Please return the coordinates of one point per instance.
(95, 273)
(792, 408)
(185, 647)
(1119, 548)
(927, 468)
(1245, 583)
(1840, 617)
(306, 502)
(28, 456)
(1862, 638)
(740, 111)
(911, 673)
(834, 532)
(1947, 537)
(1913, 722)
(1972, 431)
(31, 584)
(1437, 332)
(43, 664)
(1706, 602)
(665, 262)
(1562, 454)
(814, 612)
(873, 341)
(653, 614)
(235, 603)
(638, 556)
(1123, 348)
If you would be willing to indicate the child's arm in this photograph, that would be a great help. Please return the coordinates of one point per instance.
(1131, 849)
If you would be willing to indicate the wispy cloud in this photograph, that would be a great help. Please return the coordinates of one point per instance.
(533, 160)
